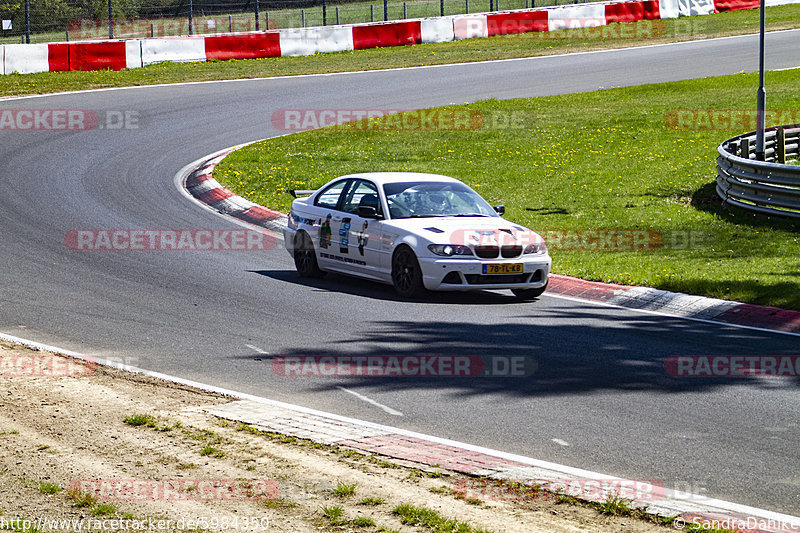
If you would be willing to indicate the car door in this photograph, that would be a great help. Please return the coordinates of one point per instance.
(329, 215)
(360, 237)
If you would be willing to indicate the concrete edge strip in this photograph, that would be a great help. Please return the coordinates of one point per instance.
(684, 506)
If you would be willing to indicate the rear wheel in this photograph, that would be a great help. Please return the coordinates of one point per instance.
(305, 259)
(406, 274)
(529, 294)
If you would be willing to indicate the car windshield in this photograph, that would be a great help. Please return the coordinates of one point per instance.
(434, 199)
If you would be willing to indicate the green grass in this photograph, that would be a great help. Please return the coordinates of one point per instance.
(141, 420)
(344, 490)
(431, 520)
(49, 488)
(80, 499)
(602, 160)
(372, 501)
(500, 47)
(614, 506)
(209, 450)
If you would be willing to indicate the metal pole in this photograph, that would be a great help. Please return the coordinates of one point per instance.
(258, 26)
(191, 22)
(466, 4)
(324, 13)
(337, 15)
(405, 10)
(230, 23)
(303, 14)
(266, 18)
(67, 35)
(385, 10)
(441, 8)
(761, 98)
(110, 19)
(372, 12)
(27, 21)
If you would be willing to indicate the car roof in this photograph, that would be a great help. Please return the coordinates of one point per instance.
(394, 177)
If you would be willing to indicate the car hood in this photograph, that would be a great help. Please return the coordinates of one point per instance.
(464, 230)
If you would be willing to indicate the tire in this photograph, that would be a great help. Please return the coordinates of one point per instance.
(406, 273)
(305, 258)
(529, 294)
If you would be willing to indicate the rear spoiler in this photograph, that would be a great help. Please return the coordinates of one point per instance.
(295, 193)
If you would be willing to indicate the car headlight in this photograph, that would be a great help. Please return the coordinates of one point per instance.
(536, 248)
(449, 250)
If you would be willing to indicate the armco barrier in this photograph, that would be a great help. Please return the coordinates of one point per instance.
(26, 58)
(386, 34)
(470, 26)
(580, 16)
(734, 5)
(516, 22)
(132, 53)
(58, 57)
(669, 9)
(309, 41)
(178, 49)
(437, 30)
(770, 187)
(102, 55)
(632, 11)
(245, 46)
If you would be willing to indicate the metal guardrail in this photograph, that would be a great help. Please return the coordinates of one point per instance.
(770, 187)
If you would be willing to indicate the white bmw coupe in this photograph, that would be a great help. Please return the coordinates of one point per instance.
(416, 232)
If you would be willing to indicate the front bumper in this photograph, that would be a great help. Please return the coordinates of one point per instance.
(447, 274)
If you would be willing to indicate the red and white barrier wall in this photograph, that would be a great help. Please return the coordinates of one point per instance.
(134, 53)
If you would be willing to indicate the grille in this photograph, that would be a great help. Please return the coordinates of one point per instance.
(487, 252)
(480, 279)
(452, 278)
(511, 251)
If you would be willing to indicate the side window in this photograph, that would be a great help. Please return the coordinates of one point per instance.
(329, 198)
(361, 193)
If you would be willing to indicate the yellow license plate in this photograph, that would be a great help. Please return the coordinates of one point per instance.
(503, 268)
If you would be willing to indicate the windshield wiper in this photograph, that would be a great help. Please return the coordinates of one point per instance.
(470, 215)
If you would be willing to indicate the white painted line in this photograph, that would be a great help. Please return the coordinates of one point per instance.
(399, 69)
(787, 68)
(372, 402)
(257, 349)
(659, 313)
(719, 505)
(560, 442)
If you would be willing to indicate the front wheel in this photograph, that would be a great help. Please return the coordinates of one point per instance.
(529, 294)
(305, 259)
(406, 273)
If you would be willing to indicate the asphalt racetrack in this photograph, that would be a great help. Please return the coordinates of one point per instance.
(599, 399)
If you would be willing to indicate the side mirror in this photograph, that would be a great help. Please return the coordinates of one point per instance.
(500, 209)
(367, 211)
